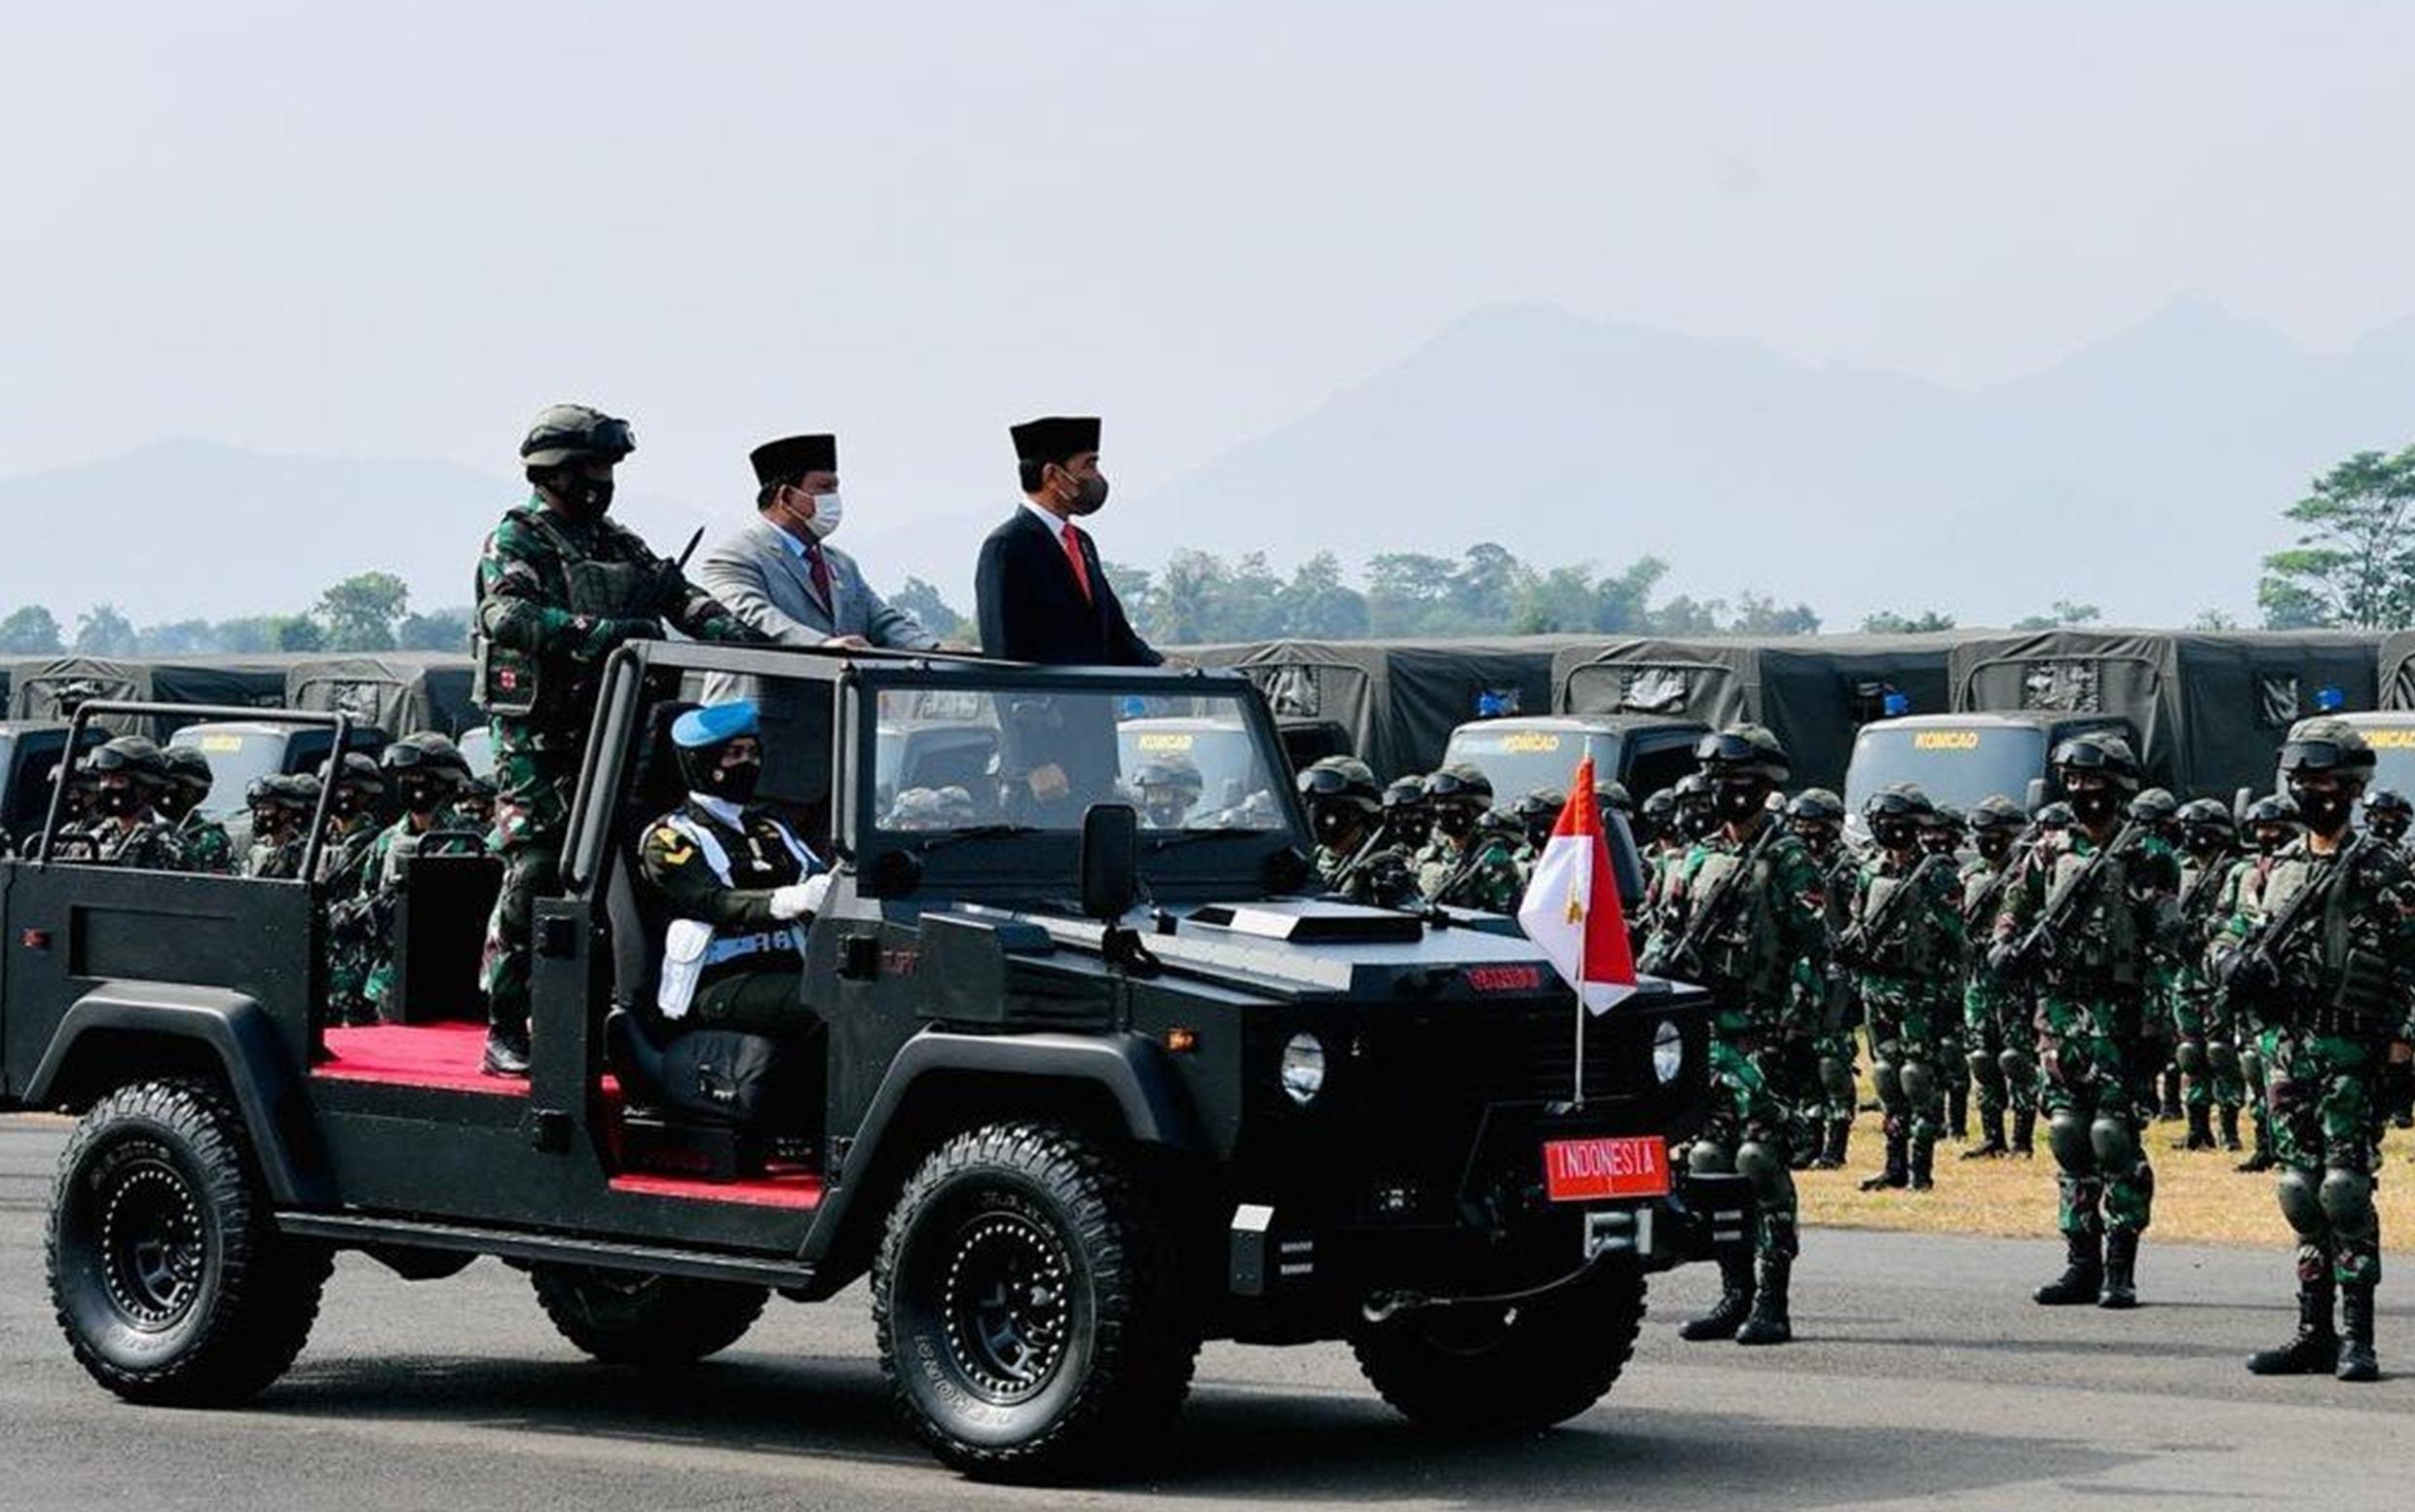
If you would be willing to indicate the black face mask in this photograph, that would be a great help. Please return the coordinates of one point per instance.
(1894, 834)
(117, 802)
(2205, 845)
(350, 802)
(2096, 807)
(1455, 820)
(732, 781)
(1995, 847)
(421, 797)
(2389, 827)
(2325, 813)
(1331, 823)
(1736, 804)
(2270, 840)
(1089, 495)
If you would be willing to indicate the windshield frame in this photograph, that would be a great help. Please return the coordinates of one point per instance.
(1010, 864)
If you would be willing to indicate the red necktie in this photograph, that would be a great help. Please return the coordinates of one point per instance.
(821, 573)
(1081, 565)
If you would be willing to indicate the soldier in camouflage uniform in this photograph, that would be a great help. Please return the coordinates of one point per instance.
(559, 587)
(2272, 825)
(1902, 953)
(2098, 974)
(1944, 833)
(2325, 982)
(2157, 812)
(2207, 1051)
(282, 808)
(1747, 918)
(423, 772)
(1997, 1031)
(1823, 1090)
(201, 840)
(353, 825)
(474, 807)
(1538, 814)
(1169, 789)
(1468, 864)
(128, 775)
(1357, 858)
(2388, 815)
(1407, 817)
(1690, 819)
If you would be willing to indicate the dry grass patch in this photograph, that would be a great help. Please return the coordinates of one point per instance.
(2198, 1198)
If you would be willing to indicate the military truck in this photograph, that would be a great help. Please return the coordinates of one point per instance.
(1075, 1096)
(2204, 711)
(1522, 755)
(29, 752)
(241, 751)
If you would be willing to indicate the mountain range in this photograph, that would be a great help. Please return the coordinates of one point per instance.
(2144, 473)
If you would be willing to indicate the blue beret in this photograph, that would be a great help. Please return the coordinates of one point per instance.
(714, 723)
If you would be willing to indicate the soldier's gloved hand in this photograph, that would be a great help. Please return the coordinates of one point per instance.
(800, 899)
(2000, 957)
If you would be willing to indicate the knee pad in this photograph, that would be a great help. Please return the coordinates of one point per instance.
(1920, 1083)
(1985, 1069)
(2347, 1199)
(2224, 1058)
(2251, 1066)
(1885, 1076)
(1709, 1158)
(2301, 1205)
(2116, 1150)
(2066, 1135)
(1837, 1081)
(2192, 1058)
(2016, 1066)
(1761, 1166)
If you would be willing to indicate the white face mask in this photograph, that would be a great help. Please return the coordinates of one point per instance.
(826, 513)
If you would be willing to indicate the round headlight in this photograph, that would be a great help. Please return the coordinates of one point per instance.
(1668, 1052)
(1303, 1068)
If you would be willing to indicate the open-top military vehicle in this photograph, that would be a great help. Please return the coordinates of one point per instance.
(1075, 1093)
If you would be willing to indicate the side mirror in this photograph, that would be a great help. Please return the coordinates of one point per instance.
(1110, 861)
(2036, 795)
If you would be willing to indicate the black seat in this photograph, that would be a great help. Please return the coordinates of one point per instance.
(682, 1103)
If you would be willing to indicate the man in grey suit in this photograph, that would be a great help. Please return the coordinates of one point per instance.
(781, 575)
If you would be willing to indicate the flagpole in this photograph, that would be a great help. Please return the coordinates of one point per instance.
(1585, 939)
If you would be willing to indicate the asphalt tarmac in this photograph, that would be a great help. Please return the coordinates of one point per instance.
(1923, 1377)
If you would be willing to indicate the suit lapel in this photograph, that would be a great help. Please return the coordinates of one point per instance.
(798, 567)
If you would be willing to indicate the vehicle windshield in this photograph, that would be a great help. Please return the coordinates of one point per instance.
(1519, 761)
(958, 759)
(1959, 765)
(477, 747)
(236, 758)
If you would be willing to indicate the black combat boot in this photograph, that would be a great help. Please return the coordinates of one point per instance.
(506, 1049)
(1894, 1173)
(2315, 1349)
(2200, 1128)
(2357, 1360)
(1840, 1136)
(1923, 1163)
(2083, 1277)
(2262, 1159)
(1734, 1305)
(2230, 1129)
(2171, 1109)
(1769, 1323)
(1991, 1137)
(2025, 1133)
(2121, 1271)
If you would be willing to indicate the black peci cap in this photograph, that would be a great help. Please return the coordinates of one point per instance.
(1055, 438)
(791, 458)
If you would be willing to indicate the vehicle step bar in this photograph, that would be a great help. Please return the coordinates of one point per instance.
(360, 1230)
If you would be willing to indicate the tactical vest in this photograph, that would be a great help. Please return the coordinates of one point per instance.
(693, 952)
(1909, 949)
(518, 684)
(1746, 956)
(2104, 949)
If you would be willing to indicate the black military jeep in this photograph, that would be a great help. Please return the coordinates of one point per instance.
(1078, 1095)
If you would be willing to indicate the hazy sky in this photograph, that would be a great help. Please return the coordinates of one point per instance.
(400, 231)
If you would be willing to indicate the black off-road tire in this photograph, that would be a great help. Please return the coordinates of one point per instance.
(627, 1317)
(166, 1272)
(1507, 1370)
(1032, 1318)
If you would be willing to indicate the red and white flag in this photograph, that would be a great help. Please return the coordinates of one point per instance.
(1572, 907)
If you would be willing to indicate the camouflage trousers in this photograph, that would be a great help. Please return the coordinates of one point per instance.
(2089, 1082)
(1903, 1024)
(2000, 1046)
(537, 775)
(1746, 1111)
(2324, 1096)
(2207, 1050)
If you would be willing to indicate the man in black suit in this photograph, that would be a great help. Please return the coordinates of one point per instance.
(1043, 597)
(1041, 593)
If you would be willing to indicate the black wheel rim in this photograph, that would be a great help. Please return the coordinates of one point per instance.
(1006, 1305)
(154, 1245)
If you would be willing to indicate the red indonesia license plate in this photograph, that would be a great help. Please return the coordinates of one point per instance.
(1584, 1170)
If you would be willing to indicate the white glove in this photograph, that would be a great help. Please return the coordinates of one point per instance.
(799, 898)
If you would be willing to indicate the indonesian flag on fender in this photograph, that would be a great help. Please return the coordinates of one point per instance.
(1572, 907)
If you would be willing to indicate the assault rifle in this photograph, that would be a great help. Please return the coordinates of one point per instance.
(1862, 939)
(2034, 948)
(2254, 970)
(1714, 912)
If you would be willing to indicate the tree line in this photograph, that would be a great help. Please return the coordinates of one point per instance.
(2352, 566)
